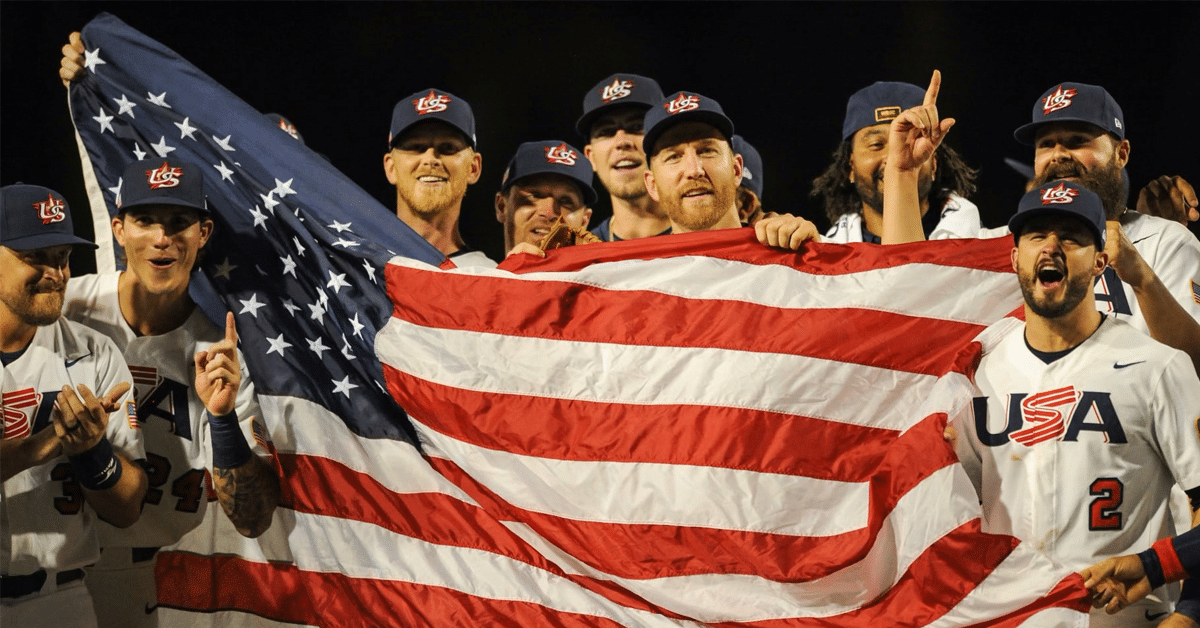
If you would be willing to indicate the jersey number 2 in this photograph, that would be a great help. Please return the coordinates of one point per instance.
(1104, 513)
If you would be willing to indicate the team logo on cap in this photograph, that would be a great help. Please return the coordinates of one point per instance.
(1059, 195)
(561, 154)
(883, 114)
(682, 102)
(290, 128)
(163, 176)
(616, 91)
(432, 102)
(51, 210)
(1060, 99)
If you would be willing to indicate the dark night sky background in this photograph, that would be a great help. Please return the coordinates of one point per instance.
(782, 71)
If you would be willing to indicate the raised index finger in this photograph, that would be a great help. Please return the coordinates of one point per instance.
(935, 84)
(230, 329)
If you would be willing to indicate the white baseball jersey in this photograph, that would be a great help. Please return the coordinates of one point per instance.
(172, 417)
(44, 520)
(1079, 456)
(959, 219)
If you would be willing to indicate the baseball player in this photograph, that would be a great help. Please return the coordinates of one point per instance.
(613, 111)
(749, 195)
(543, 182)
(67, 456)
(196, 404)
(1083, 424)
(1117, 582)
(853, 185)
(431, 160)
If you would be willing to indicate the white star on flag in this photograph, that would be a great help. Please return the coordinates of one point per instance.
(224, 143)
(138, 152)
(299, 247)
(370, 269)
(126, 106)
(160, 100)
(186, 130)
(269, 201)
(283, 188)
(342, 242)
(340, 226)
(318, 313)
(117, 191)
(91, 59)
(226, 173)
(223, 269)
(251, 305)
(358, 327)
(260, 219)
(289, 266)
(278, 344)
(343, 386)
(161, 147)
(337, 282)
(317, 346)
(346, 352)
(292, 308)
(105, 121)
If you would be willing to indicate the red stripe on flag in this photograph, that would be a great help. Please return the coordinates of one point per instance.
(1069, 593)
(670, 434)
(286, 593)
(674, 550)
(582, 313)
(742, 245)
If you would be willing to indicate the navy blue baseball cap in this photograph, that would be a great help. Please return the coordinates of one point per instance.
(432, 104)
(879, 102)
(683, 107)
(1074, 102)
(551, 157)
(162, 181)
(34, 217)
(618, 90)
(752, 175)
(1061, 198)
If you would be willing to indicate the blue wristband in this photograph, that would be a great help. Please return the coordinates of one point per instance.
(1152, 567)
(97, 468)
(1187, 547)
(230, 448)
(1189, 599)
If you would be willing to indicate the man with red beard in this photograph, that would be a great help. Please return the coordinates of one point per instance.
(62, 447)
(1083, 425)
(431, 160)
(612, 124)
(543, 182)
(1153, 278)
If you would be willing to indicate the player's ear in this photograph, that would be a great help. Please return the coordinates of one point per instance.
(476, 166)
(587, 152)
(206, 229)
(1122, 153)
(118, 229)
(1101, 263)
(387, 167)
(850, 167)
(651, 189)
(1014, 258)
(501, 207)
(587, 217)
(738, 167)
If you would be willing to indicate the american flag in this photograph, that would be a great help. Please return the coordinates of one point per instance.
(684, 431)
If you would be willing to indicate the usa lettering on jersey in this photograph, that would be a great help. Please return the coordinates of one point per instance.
(432, 102)
(163, 176)
(51, 210)
(683, 102)
(1110, 293)
(26, 411)
(561, 154)
(616, 90)
(162, 398)
(1060, 99)
(1059, 414)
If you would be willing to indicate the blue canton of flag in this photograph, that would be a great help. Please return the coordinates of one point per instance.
(298, 249)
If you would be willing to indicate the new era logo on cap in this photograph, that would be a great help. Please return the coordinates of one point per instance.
(51, 210)
(616, 90)
(561, 154)
(682, 102)
(883, 114)
(163, 176)
(1058, 195)
(432, 102)
(1060, 99)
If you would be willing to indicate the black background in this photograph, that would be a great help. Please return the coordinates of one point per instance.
(782, 71)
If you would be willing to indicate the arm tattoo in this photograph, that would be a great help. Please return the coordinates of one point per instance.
(249, 494)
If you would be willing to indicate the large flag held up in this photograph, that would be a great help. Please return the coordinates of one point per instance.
(690, 430)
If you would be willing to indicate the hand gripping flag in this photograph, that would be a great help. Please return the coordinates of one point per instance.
(683, 431)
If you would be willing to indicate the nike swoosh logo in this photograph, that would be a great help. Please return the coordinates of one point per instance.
(1140, 239)
(1118, 365)
(1153, 616)
(151, 609)
(71, 363)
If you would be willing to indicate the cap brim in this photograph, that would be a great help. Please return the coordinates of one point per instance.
(1017, 222)
(1027, 134)
(45, 241)
(584, 125)
(163, 200)
(589, 193)
(722, 124)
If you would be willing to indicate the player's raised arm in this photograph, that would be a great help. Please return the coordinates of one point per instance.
(913, 138)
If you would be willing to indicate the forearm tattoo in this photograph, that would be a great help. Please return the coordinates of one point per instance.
(249, 494)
